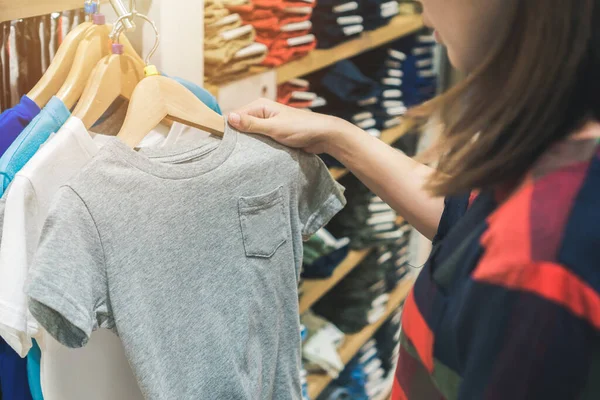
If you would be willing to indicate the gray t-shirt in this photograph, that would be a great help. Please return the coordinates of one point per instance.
(193, 257)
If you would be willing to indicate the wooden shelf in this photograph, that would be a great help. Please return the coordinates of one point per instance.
(314, 289)
(352, 344)
(389, 136)
(338, 173)
(398, 27)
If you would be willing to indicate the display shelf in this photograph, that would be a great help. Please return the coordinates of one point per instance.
(314, 289)
(398, 27)
(389, 136)
(352, 343)
(338, 173)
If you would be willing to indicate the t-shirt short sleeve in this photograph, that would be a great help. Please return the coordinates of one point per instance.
(320, 197)
(67, 286)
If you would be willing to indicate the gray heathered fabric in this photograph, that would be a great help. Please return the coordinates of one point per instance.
(193, 258)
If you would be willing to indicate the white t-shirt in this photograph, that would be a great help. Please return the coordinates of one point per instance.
(100, 371)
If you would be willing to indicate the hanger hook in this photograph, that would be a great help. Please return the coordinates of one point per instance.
(117, 28)
(115, 33)
(156, 37)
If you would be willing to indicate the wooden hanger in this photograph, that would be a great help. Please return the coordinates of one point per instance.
(59, 68)
(157, 97)
(115, 76)
(94, 46)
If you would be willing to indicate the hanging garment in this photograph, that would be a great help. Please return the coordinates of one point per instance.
(69, 375)
(26, 206)
(33, 371)
(13, 369)
(202, 259)
(62, 373)
(49, 120)
(13, 375)
(14, 120)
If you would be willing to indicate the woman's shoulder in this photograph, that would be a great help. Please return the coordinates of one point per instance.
(545, 238)
(559, 201)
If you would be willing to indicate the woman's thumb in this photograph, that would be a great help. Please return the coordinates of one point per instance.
(248, 123)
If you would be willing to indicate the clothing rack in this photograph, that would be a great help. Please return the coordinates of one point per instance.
(11, 10)
(170, 18)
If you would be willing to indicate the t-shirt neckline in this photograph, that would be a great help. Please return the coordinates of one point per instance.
(211, 157)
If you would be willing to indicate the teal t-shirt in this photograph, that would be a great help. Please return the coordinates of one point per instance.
(200, 93)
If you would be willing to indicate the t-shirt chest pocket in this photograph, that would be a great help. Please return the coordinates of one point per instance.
(262, 220)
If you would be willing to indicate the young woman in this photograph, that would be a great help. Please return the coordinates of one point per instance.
(508, 305)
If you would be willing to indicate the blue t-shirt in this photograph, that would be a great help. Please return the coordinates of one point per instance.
(13, 369)
(14, 120)
(13, 374)
(48, 121)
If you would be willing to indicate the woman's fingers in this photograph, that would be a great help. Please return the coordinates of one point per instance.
(261, 108)
(246, 122)
(256, 117)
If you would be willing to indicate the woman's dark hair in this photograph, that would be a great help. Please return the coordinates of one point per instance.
(537, 86)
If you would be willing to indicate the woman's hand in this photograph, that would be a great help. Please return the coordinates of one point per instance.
(392, 175)
(289, 126)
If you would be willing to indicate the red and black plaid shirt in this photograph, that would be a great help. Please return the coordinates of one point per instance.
(508, 306)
